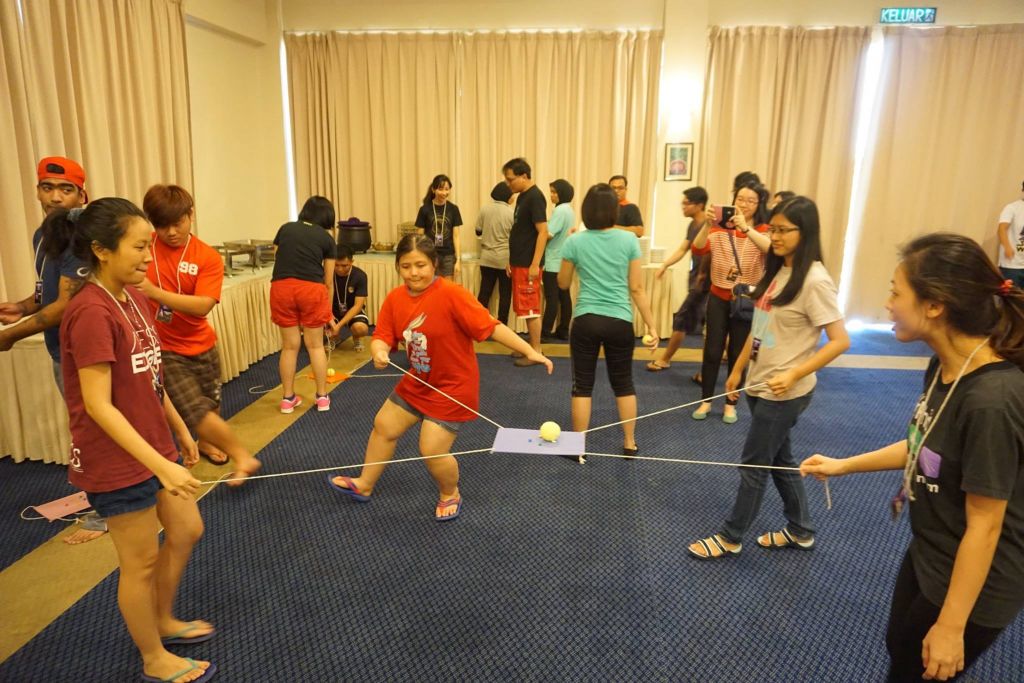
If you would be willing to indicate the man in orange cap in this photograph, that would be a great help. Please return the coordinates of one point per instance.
(61, 185)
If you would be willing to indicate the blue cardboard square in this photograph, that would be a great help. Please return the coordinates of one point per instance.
(528, 441)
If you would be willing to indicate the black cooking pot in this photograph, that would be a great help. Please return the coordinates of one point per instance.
(355, 234)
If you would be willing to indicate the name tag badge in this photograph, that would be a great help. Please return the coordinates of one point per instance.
(439, 238)
(733, 275)
(755, 346)
(37, 297)
(164, 314)
(343, 308)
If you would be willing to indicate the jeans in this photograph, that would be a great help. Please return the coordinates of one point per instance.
(488, 276)
(1015, 274)
(557, 303)
(911, 616)
(720, 323)
(768, 444)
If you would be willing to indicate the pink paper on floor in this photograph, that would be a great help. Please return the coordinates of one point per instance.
(62, 507)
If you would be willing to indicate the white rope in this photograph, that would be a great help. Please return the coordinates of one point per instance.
(228, 477)
(451, 398)
(692, 462)
(668, 410)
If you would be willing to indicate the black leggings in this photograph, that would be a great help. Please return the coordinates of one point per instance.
(586, 335)
(488, 276)
(911, 617)
(720, 324)
(557, 302)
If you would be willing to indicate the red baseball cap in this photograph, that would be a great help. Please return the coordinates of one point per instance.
(64, 169)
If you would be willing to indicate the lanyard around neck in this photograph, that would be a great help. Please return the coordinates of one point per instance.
(177, 270)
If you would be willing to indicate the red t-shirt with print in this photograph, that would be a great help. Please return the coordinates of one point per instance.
(195, 269)
(97, 329)
(439, 327)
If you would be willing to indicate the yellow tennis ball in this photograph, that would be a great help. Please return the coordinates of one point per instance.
(550, 431)
(330, 372)
(647, 339)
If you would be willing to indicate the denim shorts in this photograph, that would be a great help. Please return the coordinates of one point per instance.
(129, 499)
(452, 427)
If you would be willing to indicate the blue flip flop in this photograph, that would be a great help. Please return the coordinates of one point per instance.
(210, 671)
(457, 502)
(352, 492)
(182, 637)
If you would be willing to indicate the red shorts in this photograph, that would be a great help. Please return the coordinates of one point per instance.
(525, 293)
(296, 302)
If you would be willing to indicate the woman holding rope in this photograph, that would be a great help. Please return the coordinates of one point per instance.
(962, 580)
(796, 300)
(439, 321)
(123, 454)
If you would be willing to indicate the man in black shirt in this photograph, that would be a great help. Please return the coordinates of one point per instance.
(350, 290)
(526, 248)
(629, 213)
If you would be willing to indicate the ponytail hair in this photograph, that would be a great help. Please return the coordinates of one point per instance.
(435, 184)
(58, 230)
(954, 271)
(101, 222)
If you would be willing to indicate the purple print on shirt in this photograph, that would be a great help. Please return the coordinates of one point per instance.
(930, 463)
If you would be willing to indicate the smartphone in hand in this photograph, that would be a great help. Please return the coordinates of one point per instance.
(723, 215)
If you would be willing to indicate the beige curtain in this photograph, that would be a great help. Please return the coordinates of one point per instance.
(376, 115)
(948, 147)
(781, 101)
(101, 81)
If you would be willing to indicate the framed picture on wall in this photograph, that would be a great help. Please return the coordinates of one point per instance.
(679, 161)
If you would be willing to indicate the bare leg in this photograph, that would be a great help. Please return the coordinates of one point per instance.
(314, 340)
(213, 429)
(581, 413)
(434, 440)
(135, 536)
(671, 347)
(627, 411)
(359, 330)
(533, 329)
(290, 340)
(391, 423)
(183, 527)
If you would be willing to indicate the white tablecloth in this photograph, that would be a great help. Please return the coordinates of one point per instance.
(34, 421)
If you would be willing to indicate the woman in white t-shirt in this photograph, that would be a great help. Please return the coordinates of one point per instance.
(796, 300)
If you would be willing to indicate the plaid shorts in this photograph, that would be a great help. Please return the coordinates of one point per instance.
(193, 384)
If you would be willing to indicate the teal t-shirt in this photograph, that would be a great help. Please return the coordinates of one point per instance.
(602, 261)
(559, 225)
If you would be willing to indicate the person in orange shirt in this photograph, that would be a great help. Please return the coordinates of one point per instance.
(439, 321)
(183, 284)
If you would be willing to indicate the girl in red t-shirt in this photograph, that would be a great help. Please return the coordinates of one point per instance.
(439, 321)
(123, 455)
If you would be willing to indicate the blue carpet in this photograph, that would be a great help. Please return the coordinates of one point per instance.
(21, 485)
(247, 388)
(555, 571)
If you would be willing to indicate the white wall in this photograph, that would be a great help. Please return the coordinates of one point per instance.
(238, 142)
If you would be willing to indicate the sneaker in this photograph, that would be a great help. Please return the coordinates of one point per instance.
(289, 405)
(358, 346)
(323, 403)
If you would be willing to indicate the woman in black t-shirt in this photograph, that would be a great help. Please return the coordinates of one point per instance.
(962, 580)
(301, 290)
(439, 220)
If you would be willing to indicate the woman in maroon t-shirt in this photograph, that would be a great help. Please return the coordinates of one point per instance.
(122, 453)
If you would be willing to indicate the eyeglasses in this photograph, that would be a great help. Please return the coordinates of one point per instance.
(747, 202)
(780, 231)
(64, 188)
